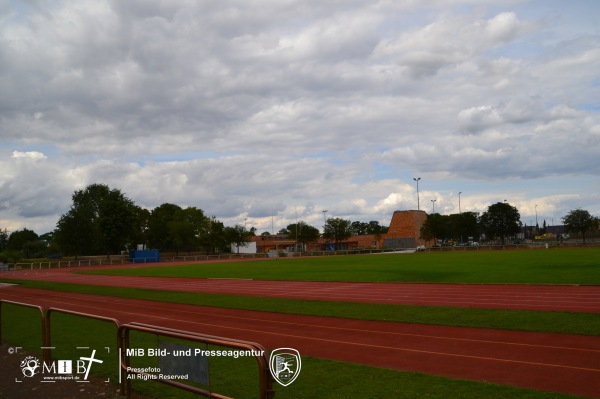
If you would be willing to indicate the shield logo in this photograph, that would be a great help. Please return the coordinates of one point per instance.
(285, 365)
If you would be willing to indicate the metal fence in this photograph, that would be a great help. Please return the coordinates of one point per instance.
(122, 339)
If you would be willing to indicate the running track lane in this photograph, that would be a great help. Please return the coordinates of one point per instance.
(566, 298)
(551, 362)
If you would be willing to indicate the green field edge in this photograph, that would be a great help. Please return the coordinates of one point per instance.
(517, 320)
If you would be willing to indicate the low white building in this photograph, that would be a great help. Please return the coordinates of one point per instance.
(247, 248)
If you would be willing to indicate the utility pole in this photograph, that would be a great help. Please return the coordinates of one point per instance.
(418, 211)
(460, 213)
(324, 223)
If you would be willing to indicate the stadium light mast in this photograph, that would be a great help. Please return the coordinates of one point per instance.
(418, 210)
(460, 213)
(433, 206)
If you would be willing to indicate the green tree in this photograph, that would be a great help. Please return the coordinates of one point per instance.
(237, 235)
(116, 222)
(373, 227)
(186, 227)
(159, 221)
(359, 228)
(338, 230)
(302, 232)
(212, 239)
(18, 239)
(100, 220)
(501, 220)
(75, 232)
(140, 221)
(580, 221)
(50, 240)
(464, 225)
(3, 239)
(435, 227)
(35, 249)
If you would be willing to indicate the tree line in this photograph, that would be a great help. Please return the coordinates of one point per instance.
(500, 222)
(102, 220)
(335, 229)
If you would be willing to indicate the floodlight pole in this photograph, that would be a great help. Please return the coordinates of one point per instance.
(324, 223)
(418, 211)
(460, 213)
(433, 206)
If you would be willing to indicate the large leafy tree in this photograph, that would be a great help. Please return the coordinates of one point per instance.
(141, 218)
(338, 230)
(580, 221)
(237, 235)
(172, 228)
(456, 226)
(100, 220)
(501, 220)
(18, 239)
(3, 239)
(212, 239)
(186, 228)
(116, 221)
(364, 228)
(76, 232)
(159, 222)
(436, 227)
(463, 225)
(302, 232)
(27, 243)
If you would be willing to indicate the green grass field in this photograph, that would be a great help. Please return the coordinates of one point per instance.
(328, 379)
(554, 266)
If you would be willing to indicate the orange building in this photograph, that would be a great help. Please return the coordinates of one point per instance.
(404, 229)
(403, 232)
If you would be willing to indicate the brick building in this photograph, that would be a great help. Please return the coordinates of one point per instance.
(403, 232)
(404, 229)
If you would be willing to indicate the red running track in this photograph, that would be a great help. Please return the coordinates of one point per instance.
(567, 298)
(552, 362)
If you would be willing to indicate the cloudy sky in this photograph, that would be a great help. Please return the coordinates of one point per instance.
(269, 111)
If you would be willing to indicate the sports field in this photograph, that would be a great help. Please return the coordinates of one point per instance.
(377, 344)
(565, 266)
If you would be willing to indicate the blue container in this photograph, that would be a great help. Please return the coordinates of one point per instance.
(149, 255)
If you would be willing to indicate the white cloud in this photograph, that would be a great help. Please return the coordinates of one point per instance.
(451, 40)
(28, 154)
(250, 108)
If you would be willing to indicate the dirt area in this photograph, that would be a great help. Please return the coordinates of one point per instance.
(10, 374)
